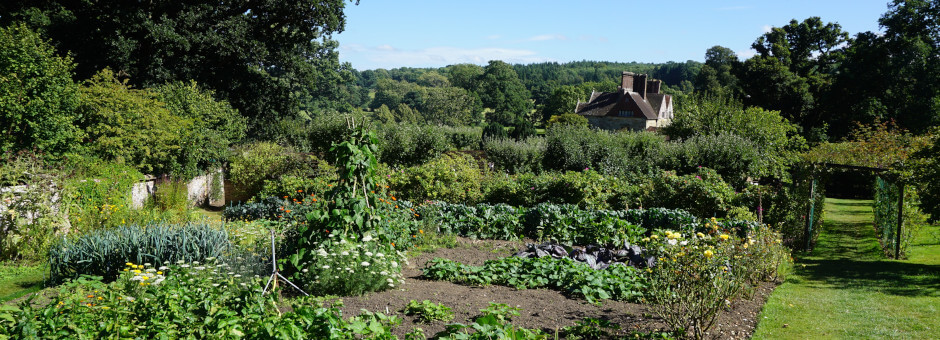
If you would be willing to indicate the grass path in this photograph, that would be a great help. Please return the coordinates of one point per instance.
(846, 289)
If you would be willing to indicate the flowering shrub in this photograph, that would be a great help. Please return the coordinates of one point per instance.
(697, 275)
(352, 267)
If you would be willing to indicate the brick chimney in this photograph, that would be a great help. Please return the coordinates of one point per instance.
(626, 81)
(652, 86)
(640, 85)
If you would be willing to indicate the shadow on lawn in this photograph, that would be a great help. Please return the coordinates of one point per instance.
(889, 277)
(848, 256)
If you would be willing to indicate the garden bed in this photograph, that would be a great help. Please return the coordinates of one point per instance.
(544, 309)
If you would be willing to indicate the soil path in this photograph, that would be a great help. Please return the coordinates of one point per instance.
(540, 308)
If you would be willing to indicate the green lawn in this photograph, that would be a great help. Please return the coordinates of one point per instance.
(846, 289)
(16, 281)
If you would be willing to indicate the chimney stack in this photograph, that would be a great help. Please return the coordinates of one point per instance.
(653, 86)
(626, 81)
(640, 85)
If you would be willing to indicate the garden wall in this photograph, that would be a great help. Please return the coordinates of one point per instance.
(204, 190)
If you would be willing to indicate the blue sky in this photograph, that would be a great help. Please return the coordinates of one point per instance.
(406, 33)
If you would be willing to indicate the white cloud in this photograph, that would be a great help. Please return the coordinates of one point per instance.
(745, 54)
(386, 56)
(766, 28)
(547, 37)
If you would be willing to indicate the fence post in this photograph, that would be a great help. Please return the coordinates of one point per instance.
(897, 237)
(809, 218)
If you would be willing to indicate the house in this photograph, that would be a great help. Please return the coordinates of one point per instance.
(637, 105)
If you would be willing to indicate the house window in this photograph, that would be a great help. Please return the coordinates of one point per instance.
(625, 113)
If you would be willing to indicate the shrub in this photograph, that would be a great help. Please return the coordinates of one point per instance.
(464, 137)
(133, 127)
(406, 144)
(695, 278)
(104, 252)
(37, 95)
(515, 156)
(98, 192)
(734, 158)
(703, 194)
(494, 130)
(216, 126)
(31, 211)
(264, 169)
(350, 266)
(452, 178)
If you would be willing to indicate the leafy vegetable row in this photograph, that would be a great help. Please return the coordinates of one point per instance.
(615, 283)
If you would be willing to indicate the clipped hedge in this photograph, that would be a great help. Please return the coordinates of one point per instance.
(105, 252)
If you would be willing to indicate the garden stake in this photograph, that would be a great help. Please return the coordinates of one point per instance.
(275, 274)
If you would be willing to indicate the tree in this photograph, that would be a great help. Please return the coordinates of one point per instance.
(774, 137)
(562, 101)
(501, 90)
(451, 106)
(464, 76)
(717, 77)
(37, 95)
(261, 56)
(384, 115)
(522, 129)
(794, 70)
(572, 119)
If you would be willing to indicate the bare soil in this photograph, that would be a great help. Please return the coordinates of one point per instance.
(540, 308)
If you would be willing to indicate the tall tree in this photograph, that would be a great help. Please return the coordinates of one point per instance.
(263, 56)
(563, 100)
(717, 77)
(794, 70)
(501, 90)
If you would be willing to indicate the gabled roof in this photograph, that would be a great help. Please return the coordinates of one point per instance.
(611, 103)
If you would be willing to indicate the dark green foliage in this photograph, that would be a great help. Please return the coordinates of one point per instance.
(621, 283)
(266, 208)
(264, 165)
(216, 125)
(104, 252)
(702, 193)
(764, 143)
(464, 137)
(133, 127)
(263, 57)
(569, 225)
(483, 221)
(37, 95)
(453, 177)
(562, 101)
(522, 129)
(926, 169)
(494, 130)
(501, 90)
(515, 156)
(427, 311)
(578, 148)
(408, 144)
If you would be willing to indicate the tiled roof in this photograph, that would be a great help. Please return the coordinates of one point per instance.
(611, 103)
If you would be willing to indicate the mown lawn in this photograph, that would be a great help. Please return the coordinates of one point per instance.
(846, 289)
(16, 281)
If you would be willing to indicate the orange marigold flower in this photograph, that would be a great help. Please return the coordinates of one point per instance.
(394, 199)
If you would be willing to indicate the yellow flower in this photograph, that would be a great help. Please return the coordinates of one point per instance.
(700, 235)
(655, 237)
(129, 264)
(159, 273)
(709, 253)
(137, 271)
(724, 237)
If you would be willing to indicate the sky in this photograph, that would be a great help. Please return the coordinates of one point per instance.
(423, 33)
